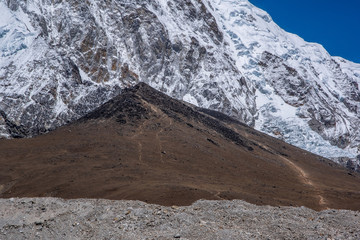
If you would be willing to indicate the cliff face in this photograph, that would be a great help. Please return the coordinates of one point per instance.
(62, 59)
(76, 54)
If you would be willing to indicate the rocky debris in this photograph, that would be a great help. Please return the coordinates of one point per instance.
(50, 218)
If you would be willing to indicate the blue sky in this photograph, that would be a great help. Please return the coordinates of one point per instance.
(333, 23)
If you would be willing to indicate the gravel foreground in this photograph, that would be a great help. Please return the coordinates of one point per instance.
(52, 218)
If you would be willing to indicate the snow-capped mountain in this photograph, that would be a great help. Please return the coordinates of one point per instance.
(61, 59)
(303, 95)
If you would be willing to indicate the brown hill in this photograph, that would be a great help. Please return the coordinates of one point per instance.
(144, 145)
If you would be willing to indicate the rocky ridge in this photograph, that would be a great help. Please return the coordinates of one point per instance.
(62, 59)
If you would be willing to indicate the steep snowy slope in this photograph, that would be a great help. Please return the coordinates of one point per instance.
(61, 59)
(303, 95)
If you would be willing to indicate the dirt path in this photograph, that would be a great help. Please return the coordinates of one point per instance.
(140, 147)
(5, 187)
(159, 143)
(306, 180)
(140, 151)
(140, 131)
(159, 140)
(304, 177)
(217, 194)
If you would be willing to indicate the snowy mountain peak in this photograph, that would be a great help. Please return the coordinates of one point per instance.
(61, 59)
(302, 92)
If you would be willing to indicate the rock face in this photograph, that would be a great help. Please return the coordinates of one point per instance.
(51, 218)
(15, 130)
(86, 50)
(62, 59)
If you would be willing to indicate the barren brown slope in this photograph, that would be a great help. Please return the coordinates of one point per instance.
(146, 146)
